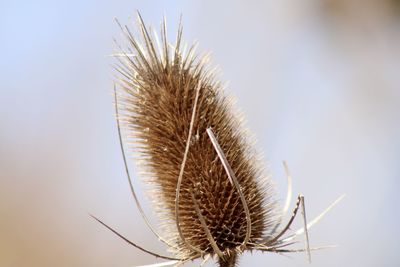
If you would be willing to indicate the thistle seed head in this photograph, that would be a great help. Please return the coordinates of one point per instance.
(158, 83)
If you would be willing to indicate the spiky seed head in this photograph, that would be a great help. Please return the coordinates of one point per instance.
(158, 83)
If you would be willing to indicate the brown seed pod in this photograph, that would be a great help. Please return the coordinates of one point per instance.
(208, 186)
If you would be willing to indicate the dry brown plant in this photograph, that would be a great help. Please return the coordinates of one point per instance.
(210, 190)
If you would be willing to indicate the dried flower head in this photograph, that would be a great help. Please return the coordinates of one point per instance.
(209, 188)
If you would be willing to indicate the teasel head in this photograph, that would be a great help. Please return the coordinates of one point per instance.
(209, 189)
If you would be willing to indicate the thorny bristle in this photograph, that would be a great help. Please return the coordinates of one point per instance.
(164, 93)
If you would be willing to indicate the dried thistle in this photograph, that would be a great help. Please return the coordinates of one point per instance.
(210, 190)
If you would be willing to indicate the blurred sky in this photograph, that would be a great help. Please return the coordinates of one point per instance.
(318, 82)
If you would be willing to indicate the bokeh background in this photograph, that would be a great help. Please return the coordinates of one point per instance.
(317, 80)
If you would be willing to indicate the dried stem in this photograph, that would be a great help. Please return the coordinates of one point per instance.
(229, 261)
